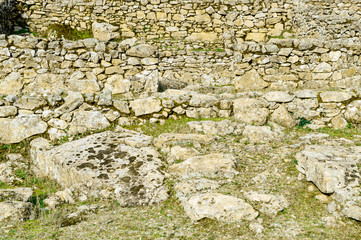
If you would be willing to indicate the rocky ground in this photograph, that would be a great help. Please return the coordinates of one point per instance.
(184, 179)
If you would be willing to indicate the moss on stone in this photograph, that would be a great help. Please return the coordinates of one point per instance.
(67, 32)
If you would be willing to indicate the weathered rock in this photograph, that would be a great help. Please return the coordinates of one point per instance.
(251, 80)
(79, 215)
(117, 84)
(7, 174)
(250, 111)
(46, 83)
(254, 116)
(142, 51)
(105, 31)
(8, 111)
(11, 84)
(244, 104)
(334, 96)
(329, 167)
(201, 100)
(192, 186)
(278, 96)
(72, 101)
(261, 134)
(105, 98)
(166, 139)
(339, 122)
(13, 211)
(211, 165)
(29, 103)
(121, 163)
(203, 36)
(270, 204)
(283, 117)
(87, 120)
(17, 129)
(16, 194)
(353, 112)
(307, 93)
(218, 207)
(178, 153)
(122, 106)
(145, 106)
(221, 128)
(352, 211)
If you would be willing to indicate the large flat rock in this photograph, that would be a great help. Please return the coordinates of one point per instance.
(218, 207)
(122, 165)
(330, 168)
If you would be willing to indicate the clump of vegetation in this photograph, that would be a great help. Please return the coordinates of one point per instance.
(303, 122)
(67, 32)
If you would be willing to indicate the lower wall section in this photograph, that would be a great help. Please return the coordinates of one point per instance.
(74, 113)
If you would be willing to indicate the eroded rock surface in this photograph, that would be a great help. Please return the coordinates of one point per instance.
(17, 129)
(329, 167)
(122, 165)
(211, 165)
(219, 207)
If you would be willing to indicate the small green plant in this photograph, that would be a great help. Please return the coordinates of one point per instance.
(303, 122)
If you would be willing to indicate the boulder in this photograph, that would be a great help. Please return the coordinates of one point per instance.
(11, 84)
(210, 165)
(146, 106)
(105, 31)
(122, 165)
(87, 120)
(262, 134)
(21, 127)
(251, 80)
(142, 51)
(72, 101)
(353, 112)
(218, 207)
(329, 167)
(269, 204)
(14, 211)
(282, 117)
(254, 116)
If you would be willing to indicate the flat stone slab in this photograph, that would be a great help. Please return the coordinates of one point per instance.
(278, 96)
(218, 207)
(122, 165)
(329, 167)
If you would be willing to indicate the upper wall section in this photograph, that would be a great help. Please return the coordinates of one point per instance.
(235, 20)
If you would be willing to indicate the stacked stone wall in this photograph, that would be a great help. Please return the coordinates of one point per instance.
(220, 20)
(32, 65)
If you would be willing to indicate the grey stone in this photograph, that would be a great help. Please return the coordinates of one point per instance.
(122, 165)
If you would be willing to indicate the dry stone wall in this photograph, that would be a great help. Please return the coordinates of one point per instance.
(219, 20)
(32, 65)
